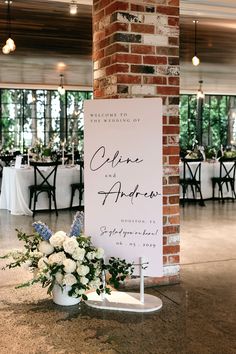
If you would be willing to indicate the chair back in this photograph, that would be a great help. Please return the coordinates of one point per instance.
(45, 178)
(81, 170)
(227, 169)
(192, 171)
(7, 159)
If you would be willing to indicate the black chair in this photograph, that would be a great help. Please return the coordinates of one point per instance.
(25, 159)
(16, 153)
(44, 181)
(78, 186)
(7, 159)
(226, 178)
(191, 179)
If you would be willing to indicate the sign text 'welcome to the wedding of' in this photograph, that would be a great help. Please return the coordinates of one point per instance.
(123, 178)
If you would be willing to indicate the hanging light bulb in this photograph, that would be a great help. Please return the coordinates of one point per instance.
(73, 7)
(10, 44)
(60, 88)
(200, 93)
(195, 59)
(6, 49)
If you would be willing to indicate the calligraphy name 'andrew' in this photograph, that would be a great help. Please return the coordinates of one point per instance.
(116, 191)
(99, 159)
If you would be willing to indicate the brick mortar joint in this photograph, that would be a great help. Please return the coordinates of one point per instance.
(136, 33)
(172, 235)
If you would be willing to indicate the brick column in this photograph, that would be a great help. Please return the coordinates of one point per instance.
(136, 54)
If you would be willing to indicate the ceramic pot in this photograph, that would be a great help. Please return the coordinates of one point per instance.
(61, 297)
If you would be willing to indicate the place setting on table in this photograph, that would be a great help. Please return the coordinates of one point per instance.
(35, 181)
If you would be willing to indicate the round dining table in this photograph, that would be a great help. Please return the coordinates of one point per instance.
(15, 189)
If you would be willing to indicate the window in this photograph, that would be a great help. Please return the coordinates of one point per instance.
(28, 116)
(210, 122)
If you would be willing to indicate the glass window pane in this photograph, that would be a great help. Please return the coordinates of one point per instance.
(31, 116)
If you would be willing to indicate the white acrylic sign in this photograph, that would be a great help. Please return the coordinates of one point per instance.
(123, 178)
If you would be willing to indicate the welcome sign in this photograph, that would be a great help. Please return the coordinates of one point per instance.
(123, 178)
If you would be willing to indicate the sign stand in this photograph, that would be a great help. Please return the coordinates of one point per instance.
(126, 301)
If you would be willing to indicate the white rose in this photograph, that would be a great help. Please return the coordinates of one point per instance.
(78, 254)
(57, 258)
(99, 253)
(81, 291)
(83, 270)
(94, 284)
(91, 255)
(45, 247)
(69, 265)
(59, 278)
(70, 244)
(84, 280)
(57, 239)
(69, 279)
(41, 263)
(98, 271)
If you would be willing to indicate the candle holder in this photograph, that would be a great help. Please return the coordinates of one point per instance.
(73, 154)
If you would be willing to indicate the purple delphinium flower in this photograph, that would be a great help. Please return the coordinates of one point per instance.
(77, 225)
(43, 230)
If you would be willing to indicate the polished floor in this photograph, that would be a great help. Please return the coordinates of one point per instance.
(198, 315)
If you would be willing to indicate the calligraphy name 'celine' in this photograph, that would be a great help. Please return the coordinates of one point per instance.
(116, 191)
(99, 159)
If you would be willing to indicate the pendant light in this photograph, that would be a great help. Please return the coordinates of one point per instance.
(200, 93)
(195, 59)
(61, 88)
(73, 7)
(10, 44)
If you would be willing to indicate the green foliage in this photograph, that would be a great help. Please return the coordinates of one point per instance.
(210, 153)
(67, 260)
(41, 114)
(213, 122)
(119, 270)
(188, 108)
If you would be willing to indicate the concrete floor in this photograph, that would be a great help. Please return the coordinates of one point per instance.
(198, 315)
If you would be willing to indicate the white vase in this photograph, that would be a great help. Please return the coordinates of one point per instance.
(61, 297)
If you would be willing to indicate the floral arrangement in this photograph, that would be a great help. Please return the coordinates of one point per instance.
(67, 260)
(210, 152)
(196, 154)
(42, 152)
(229, 154)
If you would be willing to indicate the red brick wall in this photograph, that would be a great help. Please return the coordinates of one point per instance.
(136, 54)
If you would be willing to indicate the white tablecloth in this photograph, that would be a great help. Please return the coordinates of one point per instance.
(208, 170)
(15, 192)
